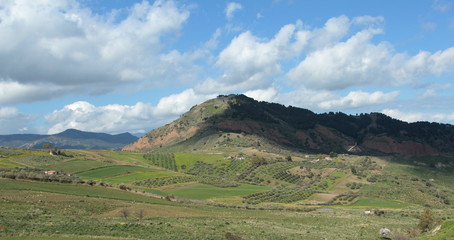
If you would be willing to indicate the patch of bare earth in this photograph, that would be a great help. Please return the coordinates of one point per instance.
(389, 145)
(323, 197)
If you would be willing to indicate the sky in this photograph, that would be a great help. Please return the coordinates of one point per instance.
(131, 66)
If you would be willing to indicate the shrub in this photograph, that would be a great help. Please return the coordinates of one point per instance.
(426, 221)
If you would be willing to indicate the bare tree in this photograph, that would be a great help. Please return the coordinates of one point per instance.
(140, 214)
(124, 212)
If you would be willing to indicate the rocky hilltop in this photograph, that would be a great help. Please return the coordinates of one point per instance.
(237, 121)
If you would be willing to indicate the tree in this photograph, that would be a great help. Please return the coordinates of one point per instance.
(289, 158)
(256, 160)
(140, 214)
(426, 220)
(124, 212)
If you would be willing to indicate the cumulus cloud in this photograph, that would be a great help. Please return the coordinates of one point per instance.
(358, 61)
(231, 8)
(60, 47)
(268, 95)
(111, 118)
(177, 104)
(115, 118)
(357, 99)
(306, 98)
(419, 116)
(249, 62)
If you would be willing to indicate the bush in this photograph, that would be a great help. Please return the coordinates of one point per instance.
(426, 221)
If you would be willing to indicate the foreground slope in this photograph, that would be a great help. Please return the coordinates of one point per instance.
(254, 123)
(117, 196)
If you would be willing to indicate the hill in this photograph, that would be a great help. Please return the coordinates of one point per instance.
(235, 122)
(69, 139)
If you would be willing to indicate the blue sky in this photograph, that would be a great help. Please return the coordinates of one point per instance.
(117, 65)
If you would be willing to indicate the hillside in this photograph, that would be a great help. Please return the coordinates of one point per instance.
(69, 139)
(236, 121)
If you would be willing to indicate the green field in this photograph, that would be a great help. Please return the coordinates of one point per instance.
(132, 158)
(77, 165)
(32, 210)
(271, 200)
(5, 163)
(76, 190)
(138, 176)
(204, 191)
(189, 159)
(379, 203)
(110, 171)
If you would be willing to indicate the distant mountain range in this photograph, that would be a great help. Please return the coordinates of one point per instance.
(69, 139)
(237, 122)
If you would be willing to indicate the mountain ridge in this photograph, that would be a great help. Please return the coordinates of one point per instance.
(297, 129)
(68, 139)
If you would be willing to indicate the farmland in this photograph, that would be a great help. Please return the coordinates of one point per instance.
(117, 195)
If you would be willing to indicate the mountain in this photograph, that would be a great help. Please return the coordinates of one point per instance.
(69, 139)
(237, 122)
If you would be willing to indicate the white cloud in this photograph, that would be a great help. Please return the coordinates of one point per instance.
(115, 118)
(61, 46)
(249, 62)
(419, 116)
(111, 118)
(305, 98)
(231, 8)
(13, 92)
(177, 104)
(357, 61)
(357, 99)
(334, 30)
(268, 95)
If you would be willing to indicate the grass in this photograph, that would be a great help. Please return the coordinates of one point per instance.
(77, 165)
(440, 176)
(44, 210)
(204, 191)
(5, 163)
(76, 190)
(379, 203)
(138, 176)
(110, 171)
(37, 210)
(132, 158)
(56, 237)
(189, 159)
